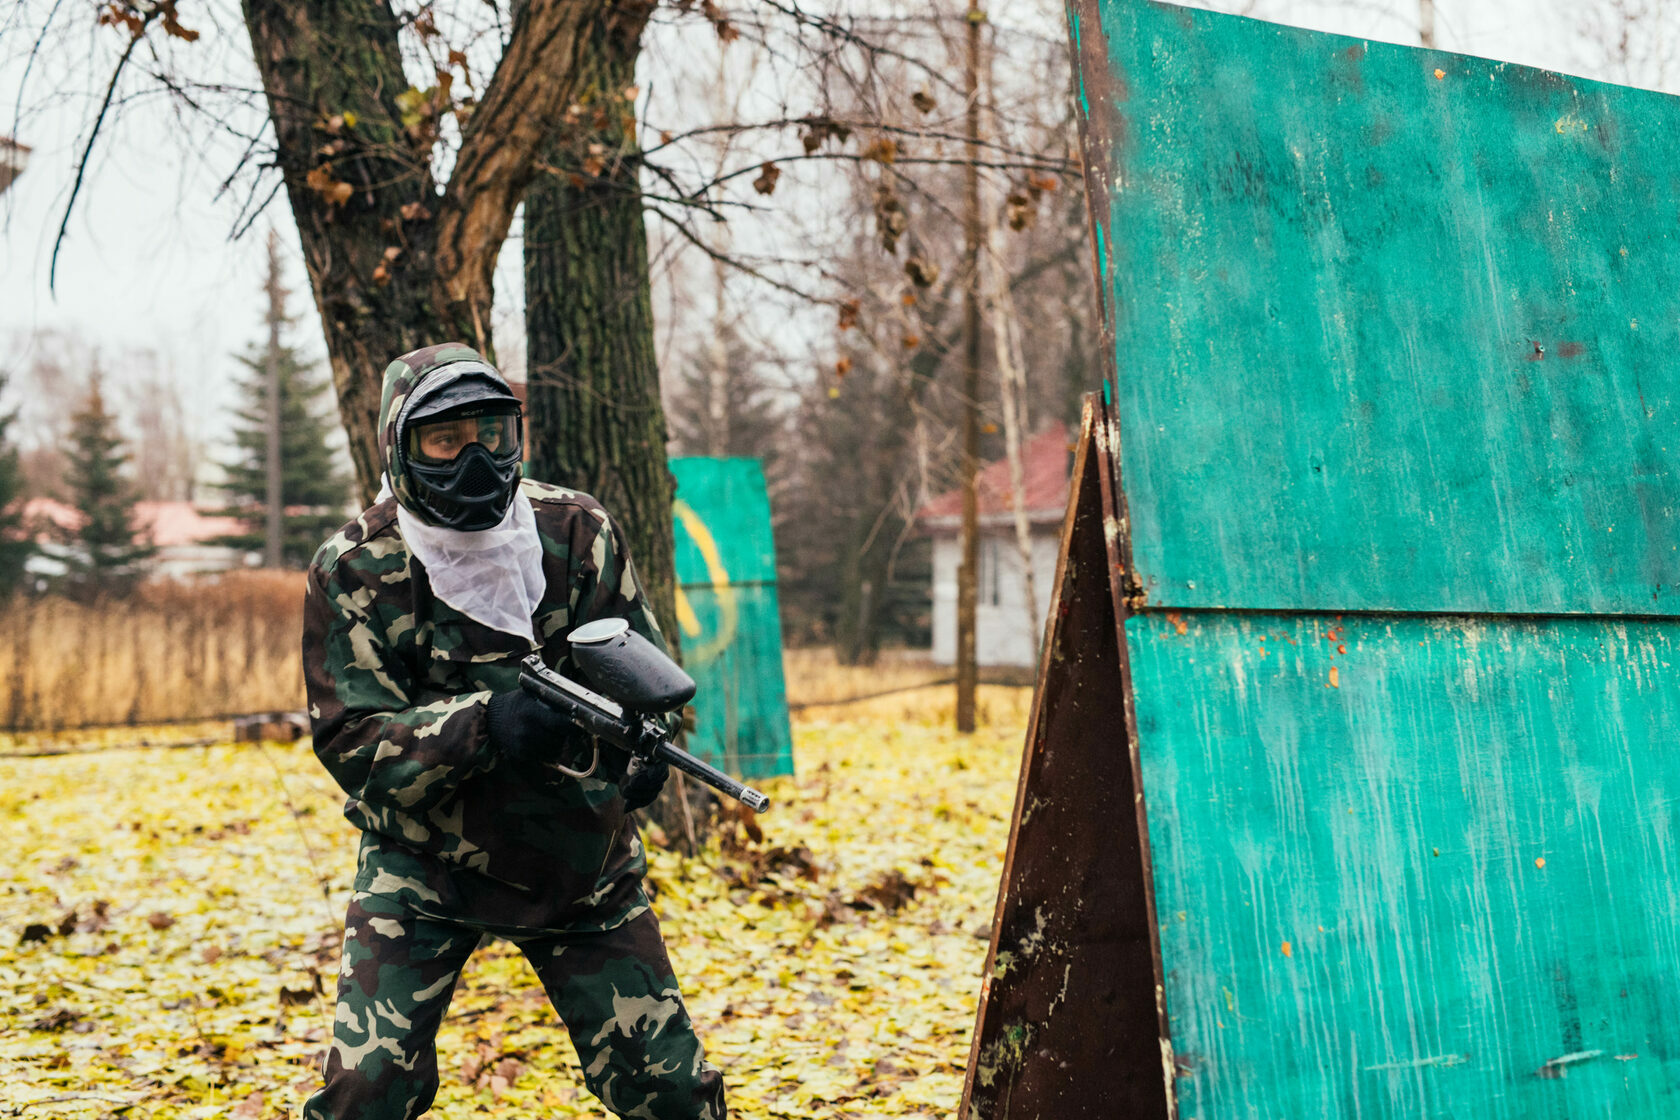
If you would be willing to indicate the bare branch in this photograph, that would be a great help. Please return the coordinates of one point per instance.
(87, 151)
(737, 128)
(1028, 163)
(735, 262)
(34, 52)
(835, 30)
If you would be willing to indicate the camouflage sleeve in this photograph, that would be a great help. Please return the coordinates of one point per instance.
(383, 742)
(608, 588)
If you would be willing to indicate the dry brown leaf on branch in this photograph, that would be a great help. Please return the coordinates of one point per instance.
(335, 191)
(459, 58)
(114, 14)
(726, 31)
(819, 130)
(890, 217)
(768, 173)
(922, 273)
(1039, 184)
(882, 149)
(172, 23)
(595, 159)
(1020, 210)
(849, 310)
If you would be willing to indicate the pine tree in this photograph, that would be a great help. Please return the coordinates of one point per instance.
(108, 551)
(15, 546)
(313, 482)
(752, 419)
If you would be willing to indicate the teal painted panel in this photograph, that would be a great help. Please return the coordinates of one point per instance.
(730, 496)
(741, 706)
(1393, 328)
(728, 613)
(1468, 842)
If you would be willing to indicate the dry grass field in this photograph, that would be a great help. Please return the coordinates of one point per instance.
(169, 921)
(170, 651)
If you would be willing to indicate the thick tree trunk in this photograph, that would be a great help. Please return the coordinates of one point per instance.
(596, 420)
(394, 263)
(595, 415)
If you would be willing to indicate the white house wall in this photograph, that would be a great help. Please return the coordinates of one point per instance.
(1002, 633)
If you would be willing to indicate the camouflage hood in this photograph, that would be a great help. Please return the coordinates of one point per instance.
(429, 368)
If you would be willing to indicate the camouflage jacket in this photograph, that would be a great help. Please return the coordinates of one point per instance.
(398, 684)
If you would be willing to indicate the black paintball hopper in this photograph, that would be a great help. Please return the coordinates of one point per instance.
(626, 667)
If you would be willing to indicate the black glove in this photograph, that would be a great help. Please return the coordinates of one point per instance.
(643, 783)
(525, 729)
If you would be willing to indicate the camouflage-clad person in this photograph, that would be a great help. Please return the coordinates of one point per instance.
(417, 615)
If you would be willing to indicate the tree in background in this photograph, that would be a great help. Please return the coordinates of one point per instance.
(108, 550)
(721, 402)
(851, 571)
(313, 485)
(49, 383)
(15, 546)
(167, 448)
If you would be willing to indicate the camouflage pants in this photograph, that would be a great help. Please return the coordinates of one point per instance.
(614, 991)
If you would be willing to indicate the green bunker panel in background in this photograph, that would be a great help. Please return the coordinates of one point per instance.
(728, 616)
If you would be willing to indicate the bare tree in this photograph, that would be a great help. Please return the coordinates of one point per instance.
(167, 448)
(876, 432)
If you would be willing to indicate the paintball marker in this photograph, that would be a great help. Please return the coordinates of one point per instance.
(635, 682)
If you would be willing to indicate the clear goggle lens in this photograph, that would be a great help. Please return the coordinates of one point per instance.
(439, 441)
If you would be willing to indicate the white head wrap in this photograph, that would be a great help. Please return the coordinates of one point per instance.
(493, 576)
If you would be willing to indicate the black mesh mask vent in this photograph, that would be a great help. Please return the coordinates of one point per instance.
(480, 478)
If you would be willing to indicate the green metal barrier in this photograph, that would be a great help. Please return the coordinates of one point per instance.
(1393, 521)
(727, 611)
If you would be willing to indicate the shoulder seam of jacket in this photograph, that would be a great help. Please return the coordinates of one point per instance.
(539, 491)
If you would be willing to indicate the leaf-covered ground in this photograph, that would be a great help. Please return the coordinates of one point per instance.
(170, 917)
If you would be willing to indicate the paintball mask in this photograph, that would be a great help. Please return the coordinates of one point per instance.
(459, 439)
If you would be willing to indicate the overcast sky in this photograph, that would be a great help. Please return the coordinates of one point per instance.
(147, 262)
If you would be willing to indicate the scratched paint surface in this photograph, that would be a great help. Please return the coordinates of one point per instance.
(729, 616)
(1399, 880)
(1394, 329)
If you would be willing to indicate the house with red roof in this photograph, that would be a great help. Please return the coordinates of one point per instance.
(1006, 632)
(184, 536)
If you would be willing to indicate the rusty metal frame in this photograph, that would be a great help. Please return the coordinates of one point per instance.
(1070, 1023)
